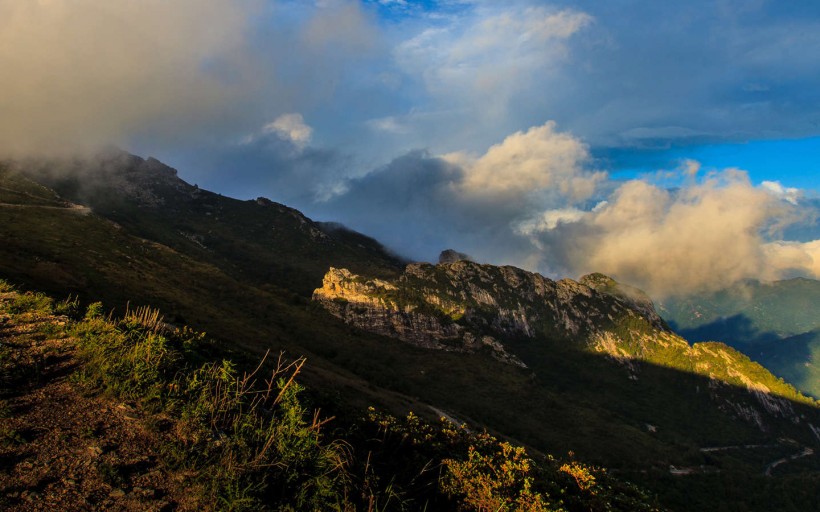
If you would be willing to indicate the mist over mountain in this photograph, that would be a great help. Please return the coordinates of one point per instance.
(348, 111)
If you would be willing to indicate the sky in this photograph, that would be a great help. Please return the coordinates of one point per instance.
(672, 145)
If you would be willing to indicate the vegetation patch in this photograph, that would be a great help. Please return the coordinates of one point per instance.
(248, 440)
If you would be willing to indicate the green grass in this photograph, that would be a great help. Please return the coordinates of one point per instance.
(249, 437)
(253, 441)
(30, 302)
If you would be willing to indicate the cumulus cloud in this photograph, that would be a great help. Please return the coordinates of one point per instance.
(789, 194)
(703, 236)
(524, 162)
(477, 204)
(290, 127)
(794, 257)
(533, 200)
(549, 220)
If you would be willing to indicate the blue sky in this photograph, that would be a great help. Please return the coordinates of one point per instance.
(794, 162)
(635, 137)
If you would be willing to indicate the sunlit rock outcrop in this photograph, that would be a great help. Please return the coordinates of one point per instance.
(468, 307)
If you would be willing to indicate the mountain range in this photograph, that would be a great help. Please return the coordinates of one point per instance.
(776, 323)
(587, 368)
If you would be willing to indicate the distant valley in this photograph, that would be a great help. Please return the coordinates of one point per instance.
(776, 324)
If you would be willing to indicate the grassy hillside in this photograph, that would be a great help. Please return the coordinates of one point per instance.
(254, 241)
(775, 323)
(567, 400)
(171, 423)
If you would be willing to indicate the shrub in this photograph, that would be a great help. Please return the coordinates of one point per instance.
(494, 476)
(474, 471)
(252, 443)
(30, 302)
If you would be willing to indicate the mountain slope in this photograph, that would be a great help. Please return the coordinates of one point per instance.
(775, 323)
(629, 405)
(468, 307)
(556, 333)
(164, 421)
(250, 240)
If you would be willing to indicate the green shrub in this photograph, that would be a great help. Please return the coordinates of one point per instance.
(30, 302)
(497, 477)
(253, 444)
(258, 438)
(122, 359)
(448, 467)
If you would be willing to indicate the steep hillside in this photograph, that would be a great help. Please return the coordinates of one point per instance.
(132, 414)
(257, 241)
(557, 333)
(774, 323)
(584, 367)
(467, 307)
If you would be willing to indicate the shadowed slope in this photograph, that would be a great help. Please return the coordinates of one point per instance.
(570, 397)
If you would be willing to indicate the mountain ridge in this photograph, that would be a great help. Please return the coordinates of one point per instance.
(566, 398)
(465, 306)
(777, 323)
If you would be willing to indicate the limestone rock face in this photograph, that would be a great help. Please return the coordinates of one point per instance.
(636, 298)
(375, 305)
(465, 306)
(468, 307)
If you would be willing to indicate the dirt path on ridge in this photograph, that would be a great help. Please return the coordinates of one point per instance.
(61, 449)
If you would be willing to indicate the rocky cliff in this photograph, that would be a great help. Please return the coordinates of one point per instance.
(469, 307)
(437, 306)
(378, 306)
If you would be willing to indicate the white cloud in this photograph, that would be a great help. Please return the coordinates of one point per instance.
(799, 258)
(703, 236)
(525, 162)
(292, 128)
(786, 193)
(531, 200)
(490, 55)
(549, 220)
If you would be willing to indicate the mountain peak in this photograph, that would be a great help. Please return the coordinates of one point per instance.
(452, 256)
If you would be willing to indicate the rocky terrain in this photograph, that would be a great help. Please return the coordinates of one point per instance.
(465, 306)
(469, 307)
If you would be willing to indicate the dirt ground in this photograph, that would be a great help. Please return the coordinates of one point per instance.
(62, 448)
